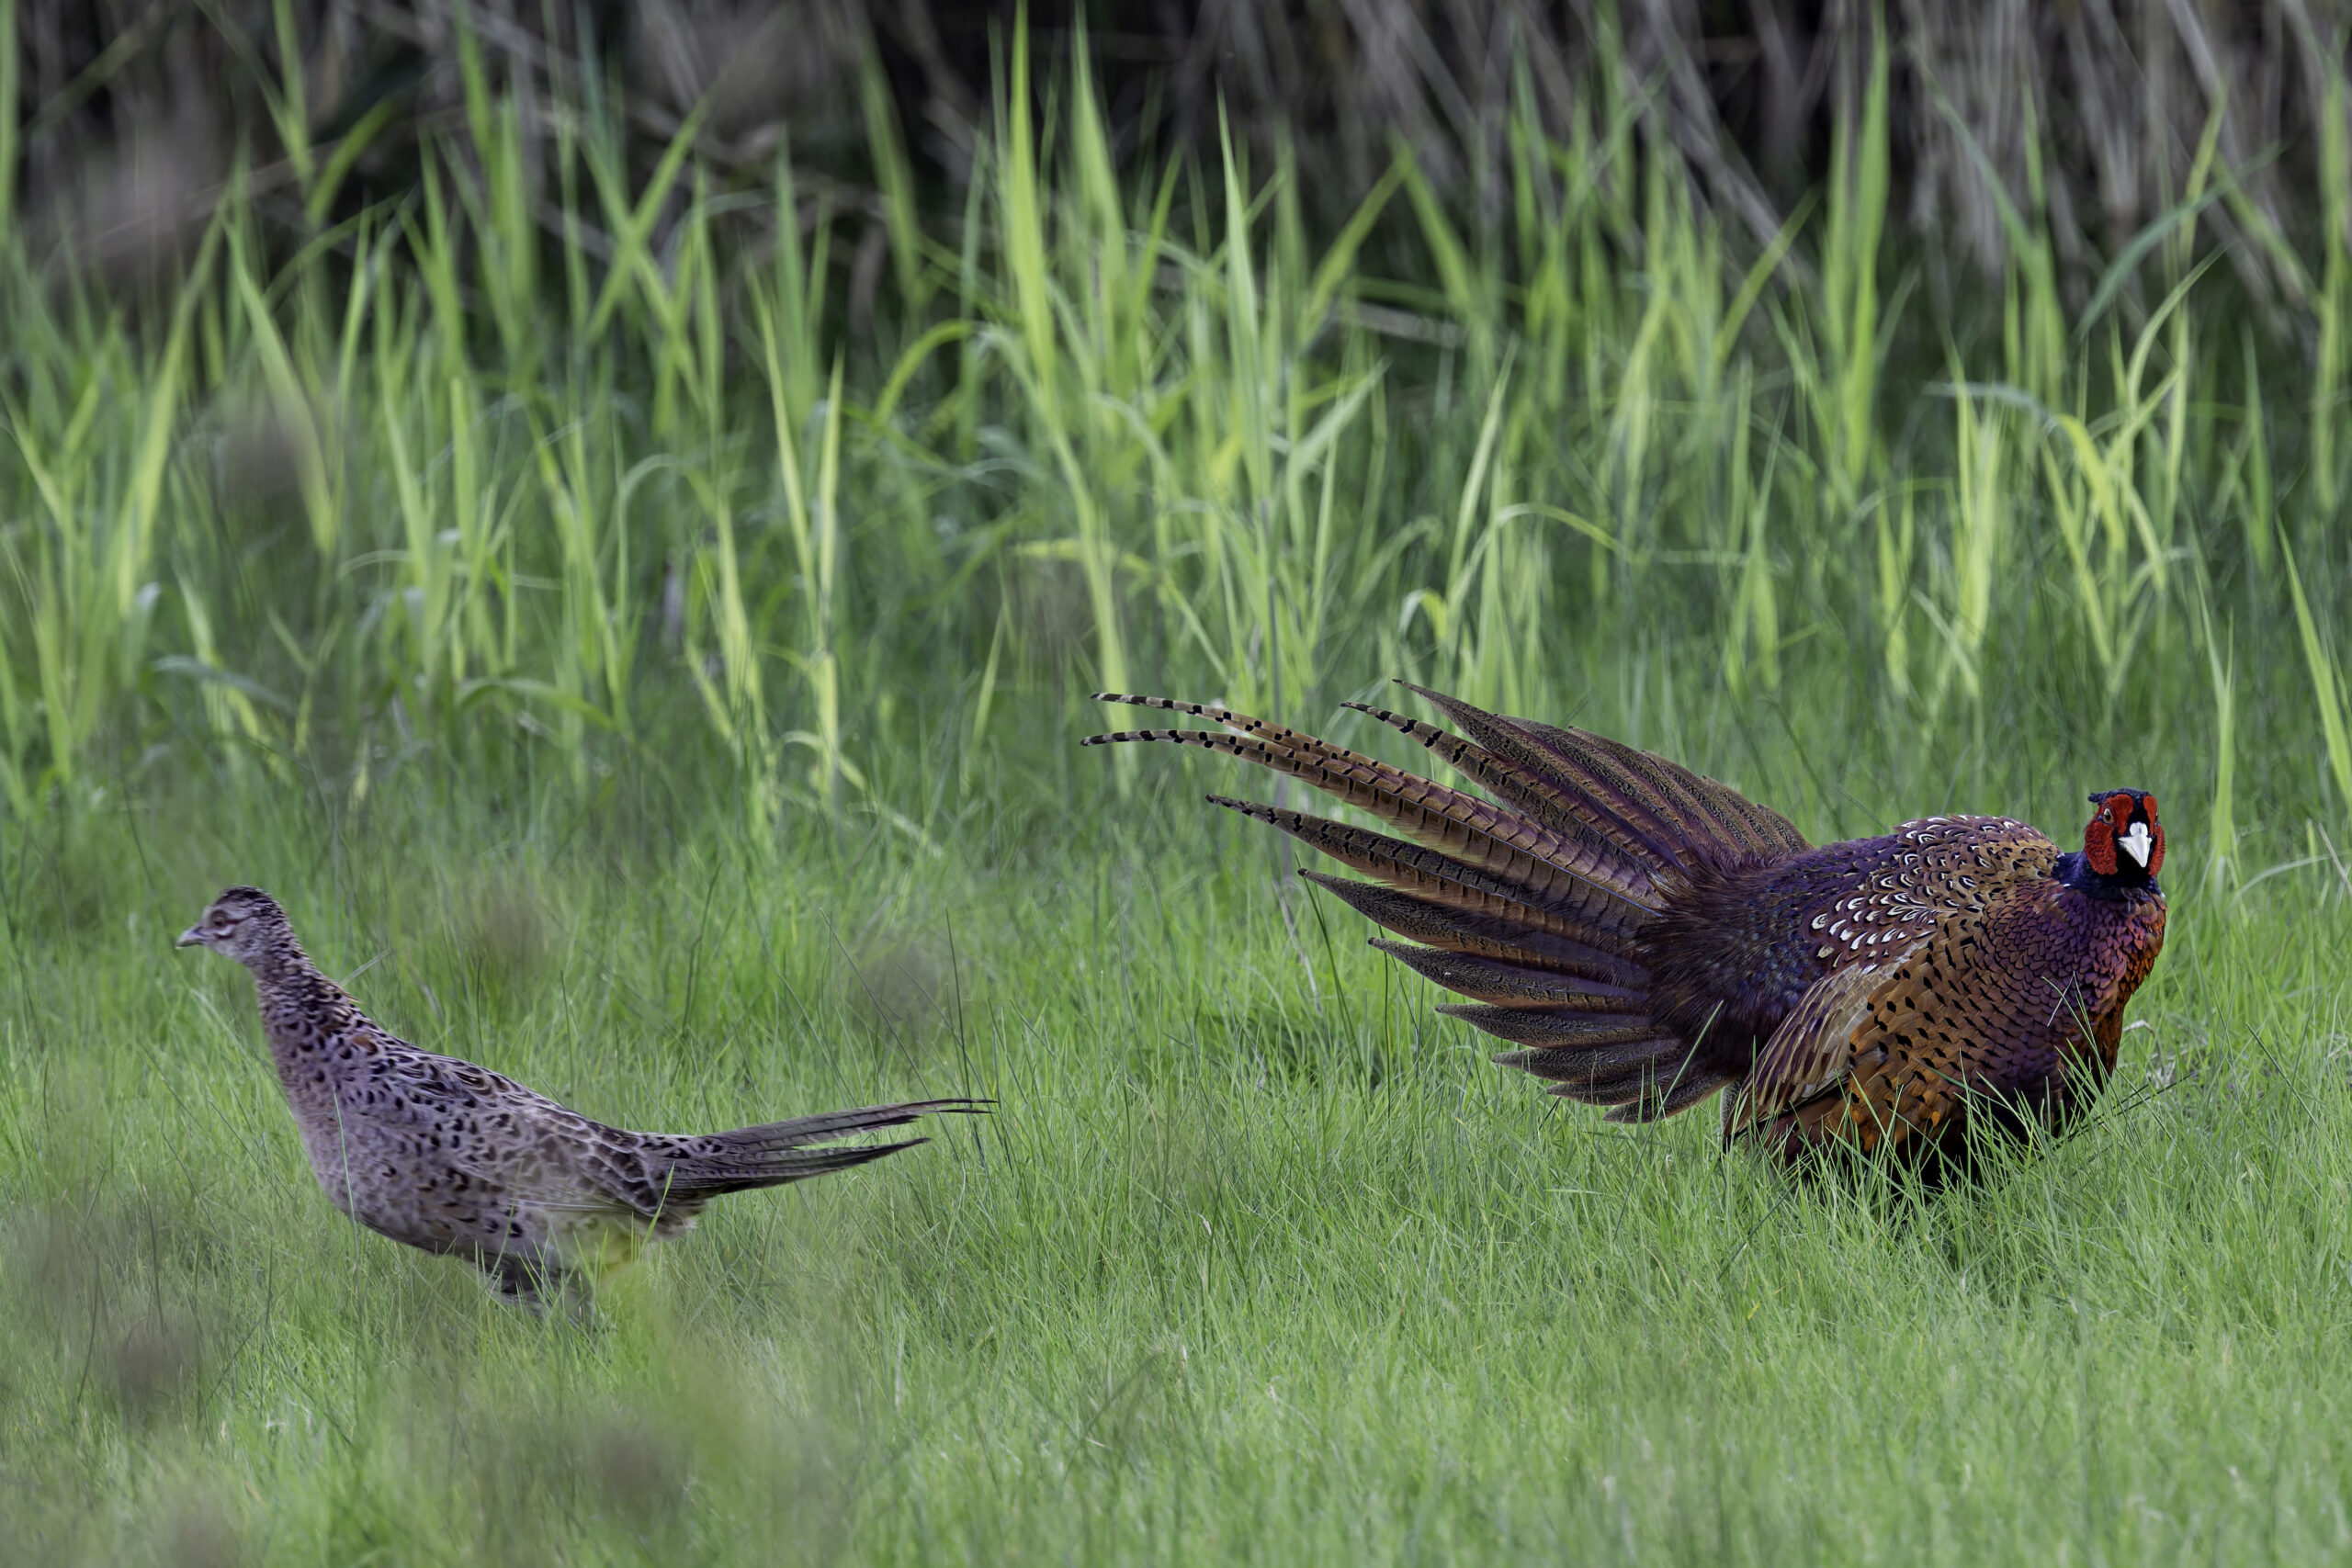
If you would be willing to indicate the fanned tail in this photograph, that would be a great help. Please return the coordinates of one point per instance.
(1654, 811)
(1532, 904)
(778, 1152)
(1554, 870)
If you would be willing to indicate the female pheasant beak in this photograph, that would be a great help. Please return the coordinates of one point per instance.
(2136, 842)
(194, 936)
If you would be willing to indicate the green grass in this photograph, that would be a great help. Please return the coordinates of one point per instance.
(654, 667)
(1259, 1259)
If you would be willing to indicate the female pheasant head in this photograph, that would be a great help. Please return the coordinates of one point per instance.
(246, 924)
(2124, 843)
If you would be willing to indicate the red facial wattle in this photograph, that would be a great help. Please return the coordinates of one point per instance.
(2122, 822)
(2098, 844)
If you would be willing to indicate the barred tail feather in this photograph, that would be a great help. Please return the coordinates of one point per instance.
(1514, 984)
(1608, 843)
(1533, 907)
(1678, 813)
(778, 1152)
(1554, 871)
(1491, 936)
(1642, 778)
(1674, 1095)
(1433, 877)
(802, 1131)
(1599, 800)
(695, 1180)
(1710, 815)
(1540, 1028)
(1630, 1063)
(1593, 1063)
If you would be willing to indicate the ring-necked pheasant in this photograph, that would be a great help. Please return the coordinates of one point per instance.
(1648, 937)
(445, 1155)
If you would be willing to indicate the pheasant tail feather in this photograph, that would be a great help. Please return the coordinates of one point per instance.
(1532, 904)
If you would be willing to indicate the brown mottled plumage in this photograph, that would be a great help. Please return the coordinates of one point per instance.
(451, 1158)
(1649, 937)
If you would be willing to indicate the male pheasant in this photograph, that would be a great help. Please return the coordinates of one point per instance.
(1648, 937)
(452, 1158)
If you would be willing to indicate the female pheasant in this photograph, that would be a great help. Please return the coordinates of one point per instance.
(452, 1158)
(1648, 937)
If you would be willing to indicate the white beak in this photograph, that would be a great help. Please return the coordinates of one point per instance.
(2137, 842)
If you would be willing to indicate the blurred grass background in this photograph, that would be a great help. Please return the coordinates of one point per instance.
(497, 426)
(614, 516)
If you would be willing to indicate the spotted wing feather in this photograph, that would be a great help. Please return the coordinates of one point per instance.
(1809, 1053)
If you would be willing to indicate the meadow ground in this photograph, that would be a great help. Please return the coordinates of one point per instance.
(645, 648)
(1259, 1259)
